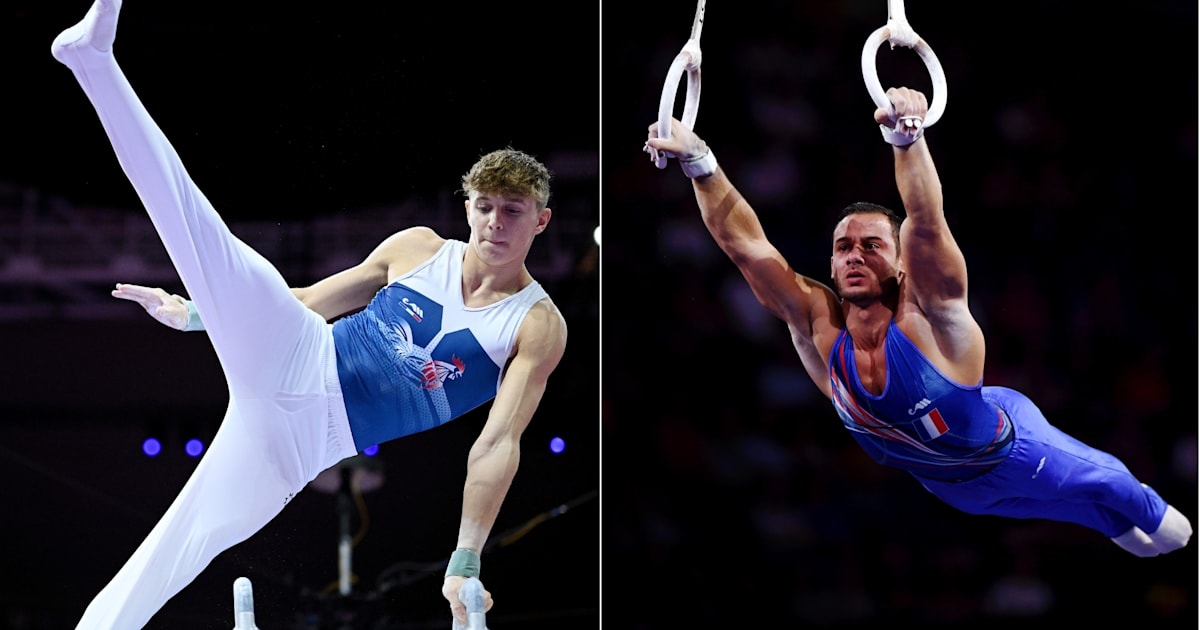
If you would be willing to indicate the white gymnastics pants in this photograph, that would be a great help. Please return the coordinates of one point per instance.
(285, 422)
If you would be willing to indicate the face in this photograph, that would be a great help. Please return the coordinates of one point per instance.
(865, 260)
(503, 226)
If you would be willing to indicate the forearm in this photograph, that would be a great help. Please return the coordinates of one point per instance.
(337, 295)
(313, 300)
(918, 183)
(490, 471)
(737, 231)
(729, 218)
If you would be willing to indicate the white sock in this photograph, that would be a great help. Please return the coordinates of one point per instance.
(97, 29)
(1173, 532)
(1136, 542)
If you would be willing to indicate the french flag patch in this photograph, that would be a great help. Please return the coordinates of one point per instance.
(931, 425)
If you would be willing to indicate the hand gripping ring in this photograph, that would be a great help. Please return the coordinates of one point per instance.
(897, 32)
(688, 59)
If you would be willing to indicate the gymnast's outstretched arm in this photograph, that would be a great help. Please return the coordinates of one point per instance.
(343, 292)
(493, 460)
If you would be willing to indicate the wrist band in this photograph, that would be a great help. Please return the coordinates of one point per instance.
(463, 562)
(193, 322)
(700, 166)
(897, 138)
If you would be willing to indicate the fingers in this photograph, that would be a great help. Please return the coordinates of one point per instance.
(460, 613)
(133, 292)
(907, 103)
(907, 116)
(132, 289)
(655, 145)
(683, 143)
(657, 142)
(144, 295)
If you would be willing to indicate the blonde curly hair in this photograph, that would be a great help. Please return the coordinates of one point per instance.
(509, 172)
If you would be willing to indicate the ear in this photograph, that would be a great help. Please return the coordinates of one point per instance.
(543, 218)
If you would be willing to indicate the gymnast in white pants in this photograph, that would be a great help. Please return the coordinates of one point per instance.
(285, 422)
(287, 367)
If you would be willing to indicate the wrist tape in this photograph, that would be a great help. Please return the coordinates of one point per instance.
(463, 562)
(193, 322)
(699, 166)
(896, 137)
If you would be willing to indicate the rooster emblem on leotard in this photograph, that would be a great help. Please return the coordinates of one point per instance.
(436, 373)
(433, 373)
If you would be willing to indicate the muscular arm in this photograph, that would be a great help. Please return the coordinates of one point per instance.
(807, 306)
(933, 263)
(351, 289)
(936, 269)
(493, 459)
(810, 309)
(736, 228)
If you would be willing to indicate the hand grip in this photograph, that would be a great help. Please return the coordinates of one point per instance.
(243, 605)
(471, 595)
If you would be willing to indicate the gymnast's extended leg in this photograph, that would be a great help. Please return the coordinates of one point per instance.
(231, 284)
(282, 426)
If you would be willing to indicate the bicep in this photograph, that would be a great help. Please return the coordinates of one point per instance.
(540, 347)
(351, 289)
(934, 264)
(344, 291)
(795, 298)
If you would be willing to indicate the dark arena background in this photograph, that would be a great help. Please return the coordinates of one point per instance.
(317, 131)
(1067, 154)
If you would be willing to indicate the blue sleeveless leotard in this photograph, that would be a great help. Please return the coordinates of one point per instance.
(922, 422)
(417, 357)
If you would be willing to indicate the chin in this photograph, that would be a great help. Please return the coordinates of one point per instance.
(860, 294)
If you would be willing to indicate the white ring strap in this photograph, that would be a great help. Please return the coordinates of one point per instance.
(897, 32)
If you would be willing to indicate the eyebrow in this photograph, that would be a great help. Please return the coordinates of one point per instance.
(515, 199)
(868, 238)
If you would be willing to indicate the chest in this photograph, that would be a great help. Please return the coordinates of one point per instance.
(871, 364)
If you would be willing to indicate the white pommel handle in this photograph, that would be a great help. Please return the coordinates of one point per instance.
(471, 595)
(243, 605)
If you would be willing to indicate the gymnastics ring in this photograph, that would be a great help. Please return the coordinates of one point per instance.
(897, 32)
(688, 59)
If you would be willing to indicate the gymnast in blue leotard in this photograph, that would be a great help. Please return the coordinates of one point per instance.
(895, 347)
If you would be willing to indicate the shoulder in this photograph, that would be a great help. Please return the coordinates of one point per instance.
(543, 334)
(416, 237)
(544, 318)
(408, 248)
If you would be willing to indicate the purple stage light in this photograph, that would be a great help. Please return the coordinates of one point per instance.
(194, 447)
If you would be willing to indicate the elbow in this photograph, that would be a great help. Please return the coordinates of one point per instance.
(304, 294)
(488, 447)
